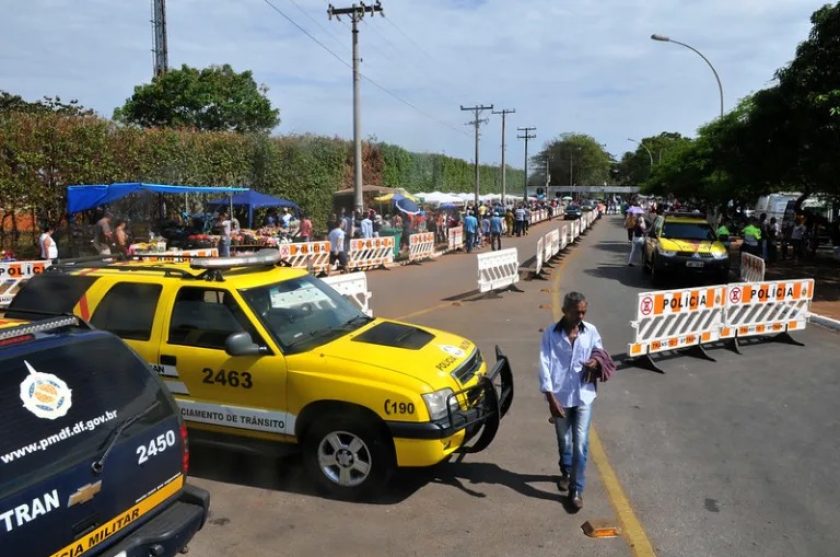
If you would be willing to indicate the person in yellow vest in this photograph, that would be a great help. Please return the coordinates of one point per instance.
(752, 238)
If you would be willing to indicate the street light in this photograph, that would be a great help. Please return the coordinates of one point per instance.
(645, 148)
(666, 39)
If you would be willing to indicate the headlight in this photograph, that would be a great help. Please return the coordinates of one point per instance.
(666, 253)
(720, 255)
(436, 403)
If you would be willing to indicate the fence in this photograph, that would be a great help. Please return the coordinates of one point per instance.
(307, 255)
(370, 253)
(685, 318)
(354, 287)
(752, 267)
(14, 274)
(421, 246)
(455, 235)
(498, 269)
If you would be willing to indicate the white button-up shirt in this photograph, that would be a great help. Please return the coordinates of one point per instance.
(561, 364)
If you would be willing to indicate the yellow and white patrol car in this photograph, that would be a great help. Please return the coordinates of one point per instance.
(259, 355)
(684, 244)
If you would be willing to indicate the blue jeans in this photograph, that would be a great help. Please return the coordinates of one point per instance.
(224, 247)
(573, 444)
(470, 241)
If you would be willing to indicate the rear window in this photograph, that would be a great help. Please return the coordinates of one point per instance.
(688, 231)
(63, 400)
(50, 293)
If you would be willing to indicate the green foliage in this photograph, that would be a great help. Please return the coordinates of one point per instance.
(572, 159)
(215, 99)
(15, 103)
(636, 166)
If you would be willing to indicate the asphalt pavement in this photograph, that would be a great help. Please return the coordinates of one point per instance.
(725, 458)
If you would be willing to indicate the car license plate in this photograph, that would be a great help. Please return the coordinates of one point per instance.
(694, 264)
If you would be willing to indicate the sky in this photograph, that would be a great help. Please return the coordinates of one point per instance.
(583, 66)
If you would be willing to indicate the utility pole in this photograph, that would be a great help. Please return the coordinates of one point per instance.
(504, 112)
(526, 137)
(356, 13)
(161, 63)
(478, 109)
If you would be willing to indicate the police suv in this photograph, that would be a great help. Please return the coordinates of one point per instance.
(261, 357)
(93, 454)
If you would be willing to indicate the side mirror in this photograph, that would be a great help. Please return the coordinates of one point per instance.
(241, 344)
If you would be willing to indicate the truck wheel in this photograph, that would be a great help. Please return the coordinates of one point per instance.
(348, 458)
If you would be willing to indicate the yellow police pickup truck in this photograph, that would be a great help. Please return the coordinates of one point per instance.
(259, 356)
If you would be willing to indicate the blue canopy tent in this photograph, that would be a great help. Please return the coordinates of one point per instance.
(255, 200)
(82, 198)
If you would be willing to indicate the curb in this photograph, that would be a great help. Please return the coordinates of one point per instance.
(824, 321)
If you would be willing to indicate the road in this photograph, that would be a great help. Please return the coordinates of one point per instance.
(727, 458)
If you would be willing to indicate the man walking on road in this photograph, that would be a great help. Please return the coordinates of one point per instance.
(565, 362)
(496, 231)
(470, 229)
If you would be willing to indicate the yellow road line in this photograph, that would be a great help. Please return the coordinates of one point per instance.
(422, 311)
(631, 528)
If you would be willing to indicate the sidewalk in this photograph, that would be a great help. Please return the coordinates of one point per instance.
(824, 269)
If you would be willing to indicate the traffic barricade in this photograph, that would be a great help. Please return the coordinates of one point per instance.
(554, 237)
(575, 230)
(370, 253)
(455, 235)
(548, 246)
(676, 319)
(540, 255)
(14, 274)
(564, 236)
(420, 246)
(353, 286)
(762, 308)
(314, 256)
(498, 270)
(752, 267)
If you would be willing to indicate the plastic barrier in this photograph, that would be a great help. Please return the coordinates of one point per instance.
(14, 274)
(456, 238)
(760, 308)
(575, 230)
(540, 254)
(420, 246)
(498, 269)
(177, 256)
(354, 287)
(673, 319)
(307, 255)
(370, 253)
(552, 244)
(752, 267)
(563, 232)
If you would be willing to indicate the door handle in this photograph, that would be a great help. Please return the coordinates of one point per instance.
(167, 360)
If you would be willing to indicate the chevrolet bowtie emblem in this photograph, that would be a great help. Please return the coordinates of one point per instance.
(85, 493)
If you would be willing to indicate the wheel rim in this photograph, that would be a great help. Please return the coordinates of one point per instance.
(344, 458)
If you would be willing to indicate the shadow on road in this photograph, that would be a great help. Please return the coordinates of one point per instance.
(626, 275)
(465, 475)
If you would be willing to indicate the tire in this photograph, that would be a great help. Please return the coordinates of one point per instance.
(349, 457)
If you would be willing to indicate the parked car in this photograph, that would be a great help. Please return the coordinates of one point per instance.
(261, 357)
(93, 451)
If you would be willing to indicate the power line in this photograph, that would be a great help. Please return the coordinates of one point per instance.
(316, 22)
(363, 76)
(477, 109)
(526, 137)
(504, 112)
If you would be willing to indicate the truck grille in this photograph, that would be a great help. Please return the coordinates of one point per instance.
(469, 368)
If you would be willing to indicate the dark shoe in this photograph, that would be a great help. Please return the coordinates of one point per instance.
(576, 500)
(563, 482)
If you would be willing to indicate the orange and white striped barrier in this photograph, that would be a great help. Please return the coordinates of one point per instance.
(14, 274)
(369, 253)
(421, 246)
(353, 286)
(752, 267)
(307, 255)
(761, 308)
(674, 319)
(455, 235)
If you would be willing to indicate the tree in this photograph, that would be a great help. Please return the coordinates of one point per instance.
(215, 99)
(573, 159)
(15, 103)
(636, 166)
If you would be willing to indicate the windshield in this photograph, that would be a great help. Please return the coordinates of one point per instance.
(304, 312)
(76, 394)
(688, 231)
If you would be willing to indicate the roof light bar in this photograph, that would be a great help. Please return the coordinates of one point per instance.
(261, 259)
(38, 327)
